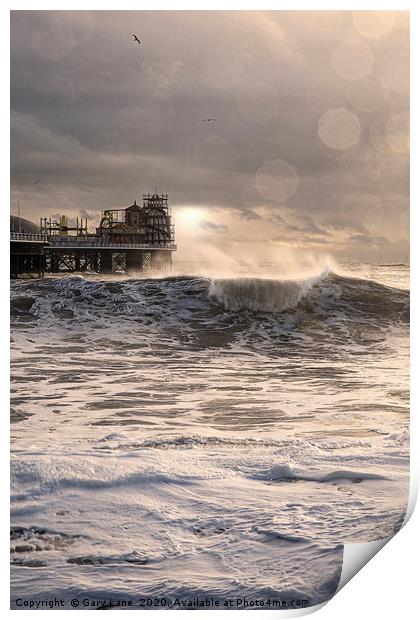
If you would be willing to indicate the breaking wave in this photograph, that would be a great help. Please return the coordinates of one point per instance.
(260, 295)
(203, 312)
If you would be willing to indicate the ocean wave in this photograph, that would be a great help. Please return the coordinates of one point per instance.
(258, 295)
(136, 558)
(261, 295)
(190, 441)
(203, 312)
(284, 473)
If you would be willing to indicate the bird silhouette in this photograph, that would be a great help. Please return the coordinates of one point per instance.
(136, 39)
(208, 120)
(35, 182)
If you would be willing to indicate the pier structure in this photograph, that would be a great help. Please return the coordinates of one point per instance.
(27, 254)
(103, 256)
(138, 238)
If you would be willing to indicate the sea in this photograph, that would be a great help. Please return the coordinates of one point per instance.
(199, 439)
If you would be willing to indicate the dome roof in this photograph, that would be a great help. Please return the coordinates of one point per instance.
(19, 224)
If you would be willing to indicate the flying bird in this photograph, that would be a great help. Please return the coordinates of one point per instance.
(208, 120)
(136, 39)
(35, 182)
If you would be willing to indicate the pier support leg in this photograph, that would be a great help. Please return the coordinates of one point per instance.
(54, 262)
(134, 261)
(106, 261)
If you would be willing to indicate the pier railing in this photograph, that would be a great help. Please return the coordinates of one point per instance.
(28, 237)
(94, 242)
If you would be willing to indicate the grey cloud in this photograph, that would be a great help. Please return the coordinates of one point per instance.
(206, 225)
(249, 214)
(374, 239)
(100, 120)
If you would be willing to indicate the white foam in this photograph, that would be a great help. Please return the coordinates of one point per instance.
(261, 295)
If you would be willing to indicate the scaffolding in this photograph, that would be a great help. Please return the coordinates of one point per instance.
(138, 238)
(52, 228)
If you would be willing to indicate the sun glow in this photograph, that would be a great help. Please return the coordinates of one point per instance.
(189, 215)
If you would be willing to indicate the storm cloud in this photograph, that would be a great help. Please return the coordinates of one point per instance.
(309, 143)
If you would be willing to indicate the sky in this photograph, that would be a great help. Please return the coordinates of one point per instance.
(308, 152)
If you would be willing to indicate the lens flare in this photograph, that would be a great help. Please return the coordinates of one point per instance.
(352, 59)
(373, 24)
(277, 180)
(339, 129)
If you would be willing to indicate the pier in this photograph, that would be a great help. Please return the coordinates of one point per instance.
(136, 239)
(27, 254)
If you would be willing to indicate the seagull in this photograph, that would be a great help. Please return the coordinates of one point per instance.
(35, 182)
(208, 120)
(136, 39)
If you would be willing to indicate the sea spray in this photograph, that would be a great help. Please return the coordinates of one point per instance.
(261, 295)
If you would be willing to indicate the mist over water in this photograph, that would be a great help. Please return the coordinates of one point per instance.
(202, 435)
